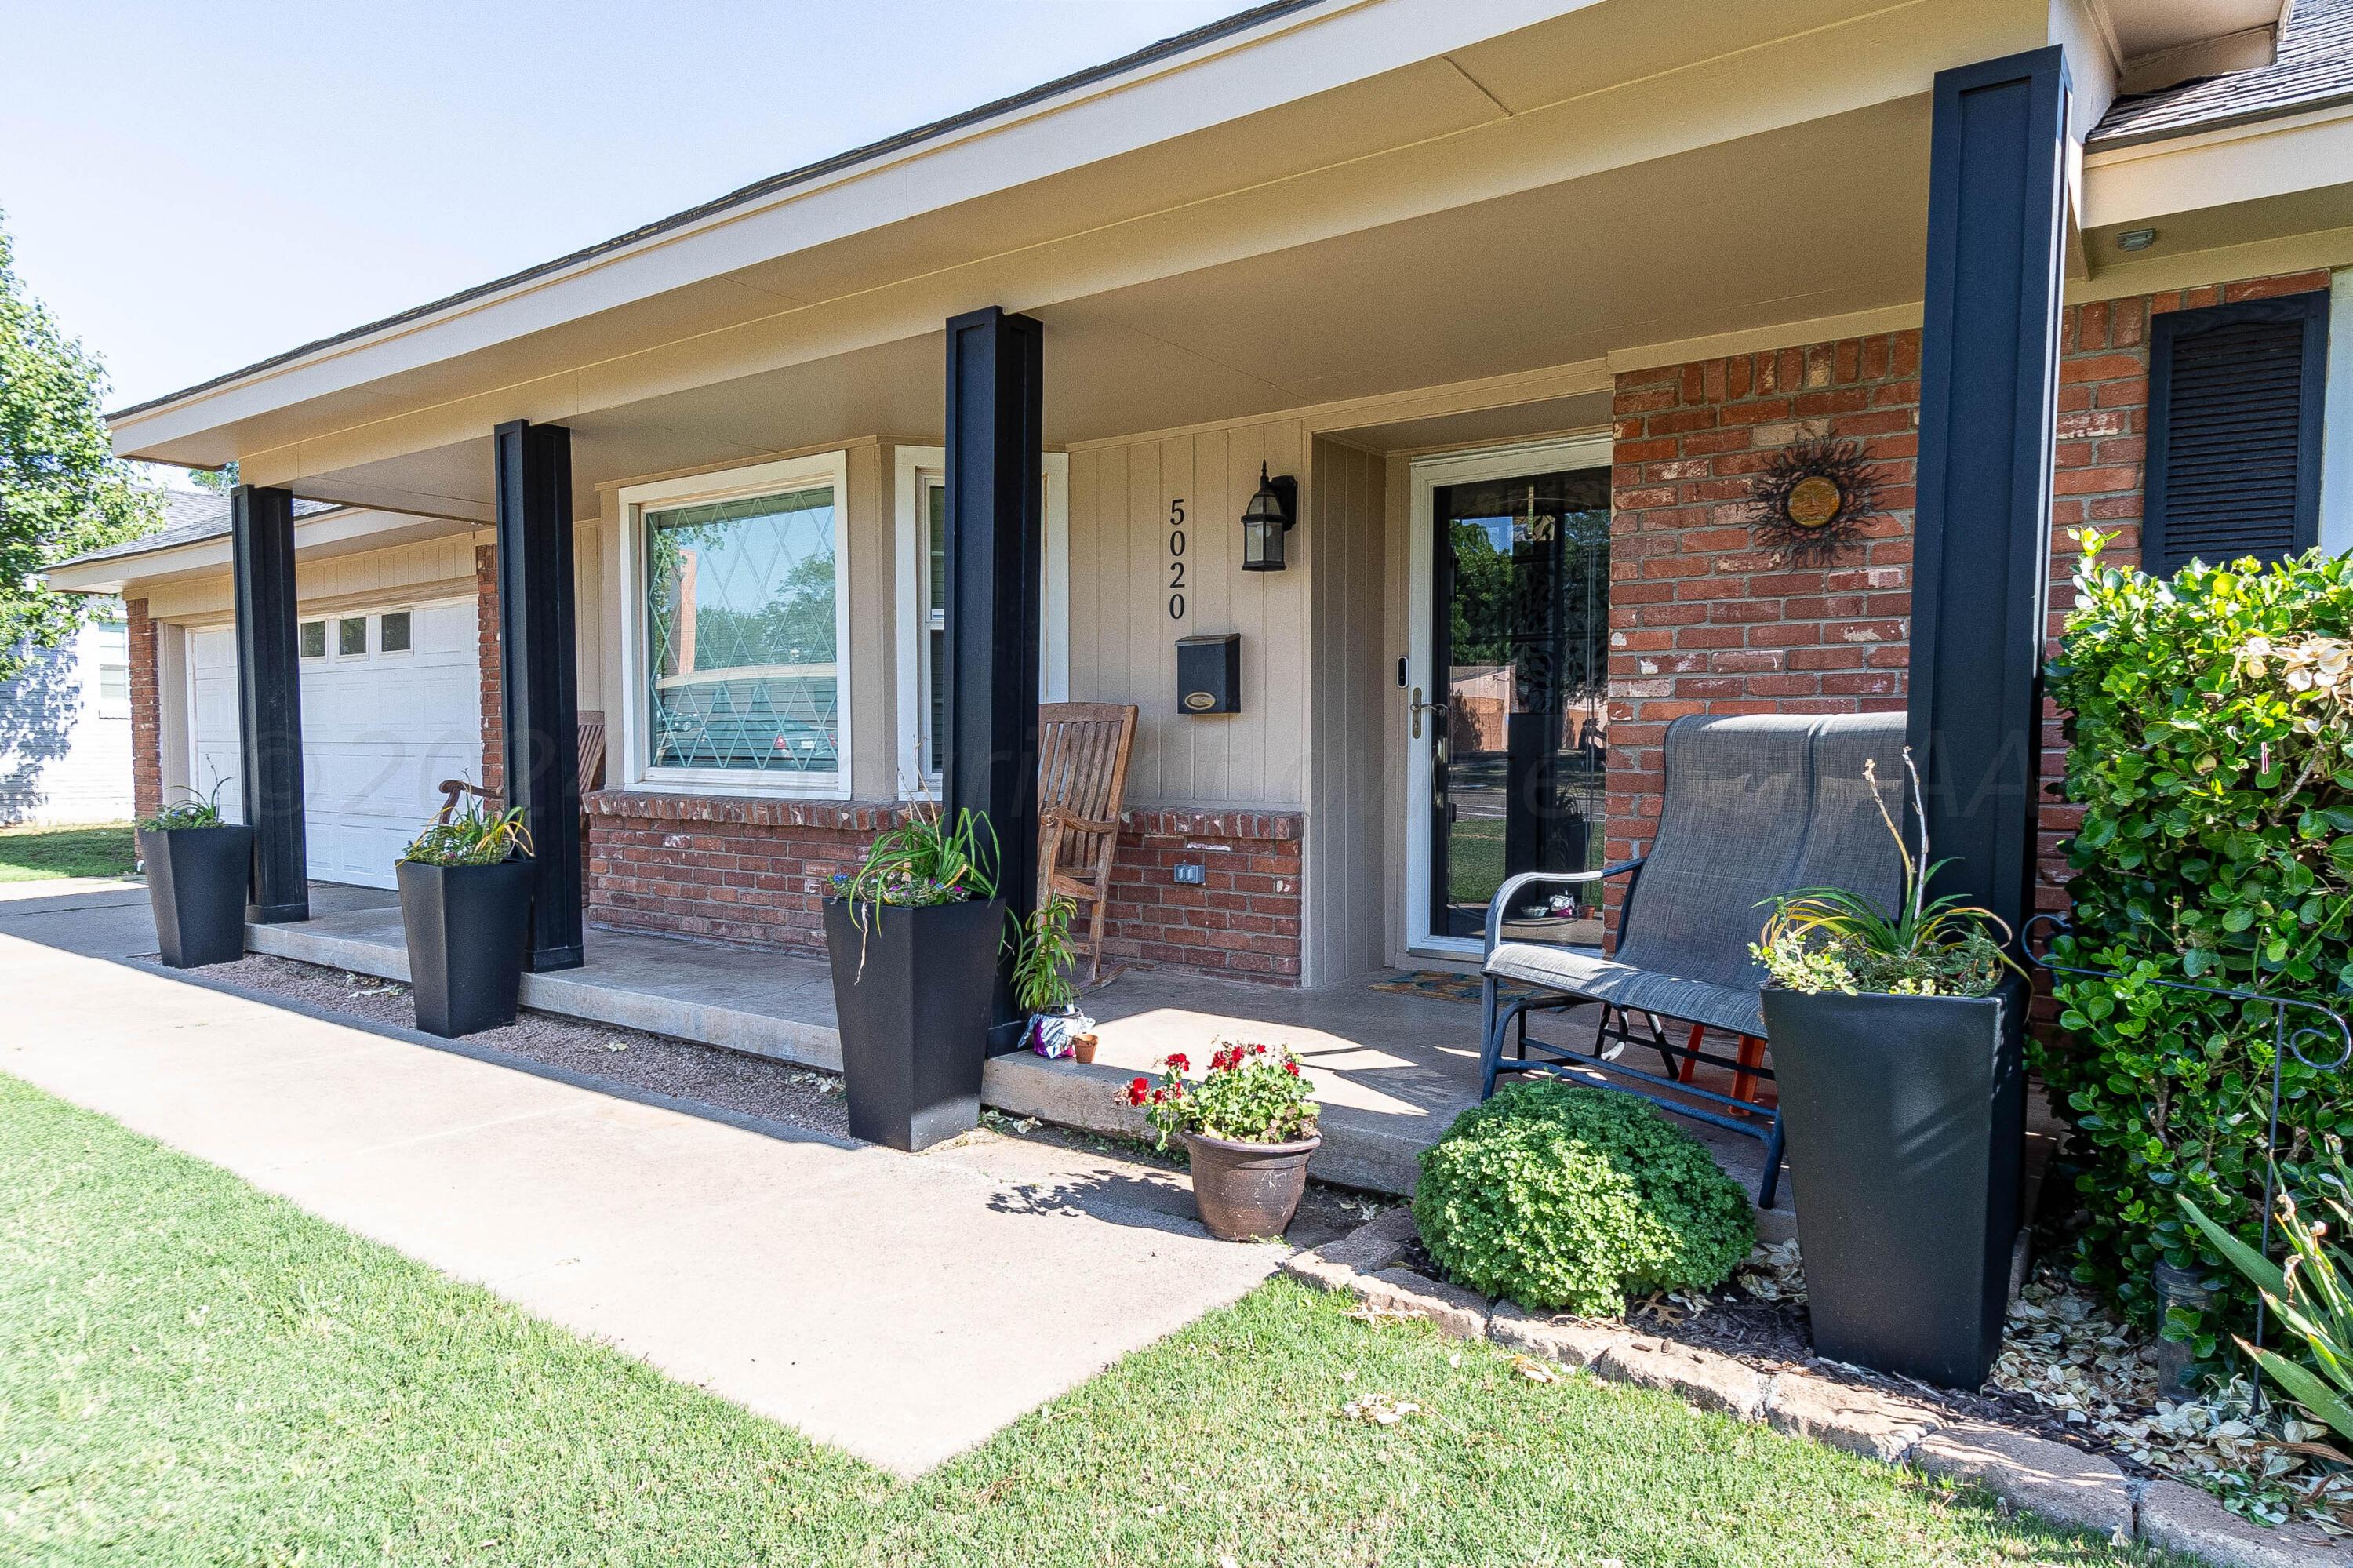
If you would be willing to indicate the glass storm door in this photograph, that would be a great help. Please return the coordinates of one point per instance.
(1521, 637)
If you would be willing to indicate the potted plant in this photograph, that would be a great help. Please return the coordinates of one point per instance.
(198, 868)
(1896, 1039)
(464, 906)
(914, 934)
(1249, 1126)
(1043, 988)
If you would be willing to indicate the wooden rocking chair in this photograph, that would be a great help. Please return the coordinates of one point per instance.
(1082, 751)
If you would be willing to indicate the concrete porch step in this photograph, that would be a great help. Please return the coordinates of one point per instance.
(635, 982)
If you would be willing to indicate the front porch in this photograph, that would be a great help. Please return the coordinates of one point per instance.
(1392, 1068)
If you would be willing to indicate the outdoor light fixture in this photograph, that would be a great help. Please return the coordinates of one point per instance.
(1271, 513)
(2136, 239)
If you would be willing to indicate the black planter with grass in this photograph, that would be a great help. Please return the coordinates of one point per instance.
(467, 927)
(913, 993)
(197, 880)
(1906, 1118)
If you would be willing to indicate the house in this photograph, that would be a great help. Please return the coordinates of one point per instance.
(65, 729)
(810, 491)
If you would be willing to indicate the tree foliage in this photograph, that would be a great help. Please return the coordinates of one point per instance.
(62, 492)
(2211, 756)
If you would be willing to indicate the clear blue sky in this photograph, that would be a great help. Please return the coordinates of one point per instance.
(192, 187)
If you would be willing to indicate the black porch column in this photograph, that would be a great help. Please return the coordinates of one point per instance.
(540, 687)
(1989, 387)
(995, 365)
(269, 702)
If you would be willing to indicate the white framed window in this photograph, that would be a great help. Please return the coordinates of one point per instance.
(313, 640)
(112, 643)
(922, 496)
(351, 636)
(735, 630)
(395, 632)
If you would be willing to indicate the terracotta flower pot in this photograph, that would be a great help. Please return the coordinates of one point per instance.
(1247, 1191)
(1083, 1047)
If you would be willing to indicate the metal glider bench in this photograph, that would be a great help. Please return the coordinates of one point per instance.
(1754, 805)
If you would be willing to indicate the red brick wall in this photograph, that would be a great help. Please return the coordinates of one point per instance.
(755, 873)
(1242, 922)
(146, 716)
(486, 634)
(722, 868)
(1701, 620)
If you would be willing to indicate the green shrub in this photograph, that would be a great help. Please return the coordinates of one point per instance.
(1560, 1196)
(2208, 726)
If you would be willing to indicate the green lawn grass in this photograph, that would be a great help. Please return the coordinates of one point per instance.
(36, 854)
(193, 1371)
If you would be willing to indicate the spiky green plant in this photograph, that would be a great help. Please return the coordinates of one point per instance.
(924, 861)
(194, 812)
(476, 838)
(2307, 1294)
(1833, 938)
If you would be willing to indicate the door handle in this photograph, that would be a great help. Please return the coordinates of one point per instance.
(1415, 707)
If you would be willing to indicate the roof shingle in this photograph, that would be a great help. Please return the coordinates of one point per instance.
(2314, 68)
(189, 518)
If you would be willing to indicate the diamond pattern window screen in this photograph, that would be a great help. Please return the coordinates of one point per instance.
(744, 670)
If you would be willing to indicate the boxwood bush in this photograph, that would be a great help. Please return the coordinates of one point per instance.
(2208, 726)
(1561, 1196)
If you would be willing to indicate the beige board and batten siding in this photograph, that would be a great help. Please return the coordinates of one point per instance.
(1124, 496)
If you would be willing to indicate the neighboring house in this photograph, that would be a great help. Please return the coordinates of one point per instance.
(1502, 263)
(65, 729)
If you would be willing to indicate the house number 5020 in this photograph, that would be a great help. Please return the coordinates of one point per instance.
(1177, 560)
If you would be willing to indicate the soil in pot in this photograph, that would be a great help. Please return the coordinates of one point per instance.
(197, 880)
(1247, 1191)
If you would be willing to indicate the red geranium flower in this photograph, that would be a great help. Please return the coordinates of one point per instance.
(1292, 1068)
(1258, 1050)
(1178, 1063)
(1137, 1090)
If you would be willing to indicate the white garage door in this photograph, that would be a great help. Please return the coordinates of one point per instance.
(389, 709)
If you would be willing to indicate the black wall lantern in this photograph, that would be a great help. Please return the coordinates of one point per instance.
(1271, 513)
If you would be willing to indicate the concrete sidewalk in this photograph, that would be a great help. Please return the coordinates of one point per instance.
(902, 1307)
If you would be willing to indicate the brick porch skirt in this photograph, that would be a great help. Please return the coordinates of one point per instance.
(754, 873)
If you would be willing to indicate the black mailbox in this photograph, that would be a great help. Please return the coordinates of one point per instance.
(1209, 674)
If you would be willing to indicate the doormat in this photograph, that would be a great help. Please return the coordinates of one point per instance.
(1447, 986)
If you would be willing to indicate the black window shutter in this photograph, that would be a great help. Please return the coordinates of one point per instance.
(2234, 408)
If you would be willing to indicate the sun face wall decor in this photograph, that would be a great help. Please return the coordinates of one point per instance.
(1811, 500)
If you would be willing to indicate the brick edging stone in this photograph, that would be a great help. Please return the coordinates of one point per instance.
(2065, 1485)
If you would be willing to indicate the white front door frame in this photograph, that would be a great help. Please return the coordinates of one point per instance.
(1427, 476)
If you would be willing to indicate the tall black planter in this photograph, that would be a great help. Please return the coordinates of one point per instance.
(465, 926)
(912, 996)
(197, 880)
(1906, 1118)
